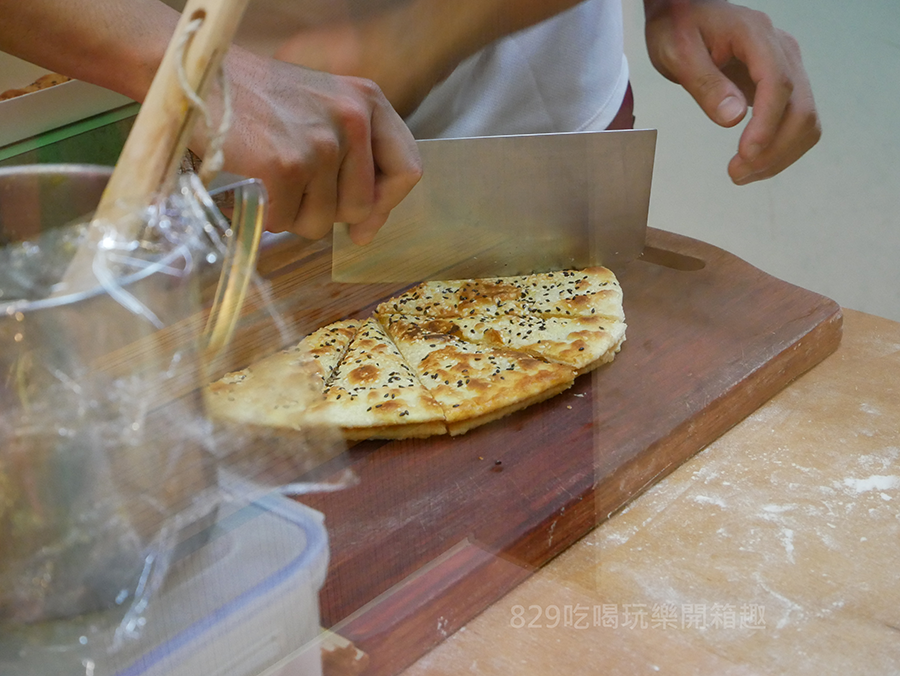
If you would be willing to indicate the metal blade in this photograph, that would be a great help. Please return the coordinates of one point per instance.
(509, 205)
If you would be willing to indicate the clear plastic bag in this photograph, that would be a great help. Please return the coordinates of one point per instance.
(109, 466)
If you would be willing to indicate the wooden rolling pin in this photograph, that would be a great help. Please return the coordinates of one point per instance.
(157, 141)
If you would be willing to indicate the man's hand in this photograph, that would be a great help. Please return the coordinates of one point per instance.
(328, 149)
(730, 57)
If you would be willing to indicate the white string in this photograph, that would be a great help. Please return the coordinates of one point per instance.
(215, 156)
(210, 167)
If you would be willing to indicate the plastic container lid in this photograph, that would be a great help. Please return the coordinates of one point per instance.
(241, 604)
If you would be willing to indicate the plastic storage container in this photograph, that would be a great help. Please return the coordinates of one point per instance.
(245, 603)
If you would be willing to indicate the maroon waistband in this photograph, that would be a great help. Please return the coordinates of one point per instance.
(624, 119)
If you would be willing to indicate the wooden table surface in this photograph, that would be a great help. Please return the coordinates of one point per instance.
(776, 550)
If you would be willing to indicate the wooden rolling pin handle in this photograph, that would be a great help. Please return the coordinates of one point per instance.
(158, 139)
(160, 133)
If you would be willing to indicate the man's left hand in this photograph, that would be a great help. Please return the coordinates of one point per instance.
(728, 58)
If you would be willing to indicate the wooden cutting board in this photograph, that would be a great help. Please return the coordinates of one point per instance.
(438, 529)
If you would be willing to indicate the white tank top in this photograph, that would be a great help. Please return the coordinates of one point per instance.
(568, 73)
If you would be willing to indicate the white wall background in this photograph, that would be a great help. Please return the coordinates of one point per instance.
(831, 222)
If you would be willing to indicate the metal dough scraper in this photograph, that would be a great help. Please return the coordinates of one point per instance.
(510, 205)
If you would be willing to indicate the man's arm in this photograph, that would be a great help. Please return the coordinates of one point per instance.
(117, 45)
(411, 46)
(328, 149)
(730, 57)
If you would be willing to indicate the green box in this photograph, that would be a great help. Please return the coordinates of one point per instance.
(94, 140)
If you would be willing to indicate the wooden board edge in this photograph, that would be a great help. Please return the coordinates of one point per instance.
(424, 610)
(418, 613)
(584, 512)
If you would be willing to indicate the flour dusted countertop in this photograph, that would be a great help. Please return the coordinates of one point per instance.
(776, 550)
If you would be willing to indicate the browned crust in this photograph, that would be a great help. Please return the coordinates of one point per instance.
(604, 359)
(262, 434)
(485, 398)
(468, 383)
(403, 431)
(568, 356)
(463, 426)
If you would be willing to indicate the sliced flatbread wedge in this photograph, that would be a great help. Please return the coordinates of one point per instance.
(460, 298)
(277, 391)
(574, 293)
(584, 343)
(567, 293)
(437, 299)
(474, 384)
(374, 394)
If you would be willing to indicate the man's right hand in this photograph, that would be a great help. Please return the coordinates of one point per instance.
(328, 148)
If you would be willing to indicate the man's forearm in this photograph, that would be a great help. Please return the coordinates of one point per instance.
(459, 28)
(116, 44)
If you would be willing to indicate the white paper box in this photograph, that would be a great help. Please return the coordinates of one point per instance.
(38, 112)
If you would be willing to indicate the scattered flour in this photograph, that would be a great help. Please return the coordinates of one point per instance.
(876, 482)
(777, 509)
(868, 408)
(787, 539)
(706, 499)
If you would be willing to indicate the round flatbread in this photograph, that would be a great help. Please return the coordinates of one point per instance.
(444, 356)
